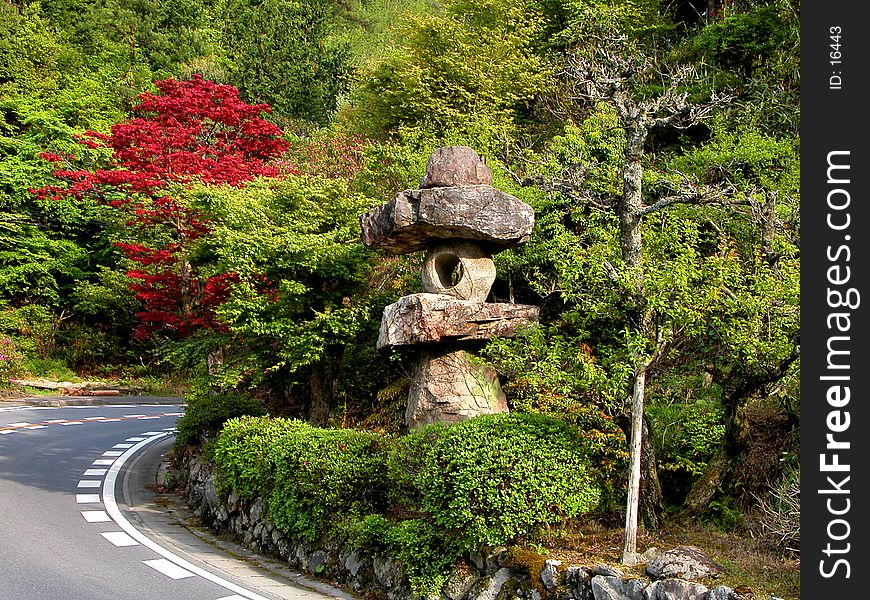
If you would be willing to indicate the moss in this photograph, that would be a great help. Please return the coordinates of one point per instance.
(530, 562)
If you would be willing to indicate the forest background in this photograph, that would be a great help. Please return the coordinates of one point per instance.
(204, 237)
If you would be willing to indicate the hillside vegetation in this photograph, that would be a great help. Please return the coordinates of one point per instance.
(180, 188)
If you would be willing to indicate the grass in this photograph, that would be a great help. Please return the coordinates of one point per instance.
(751, 564)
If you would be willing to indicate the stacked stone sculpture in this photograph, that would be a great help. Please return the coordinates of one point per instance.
(459, 220)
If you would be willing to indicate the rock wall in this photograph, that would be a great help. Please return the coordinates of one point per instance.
(493, 575)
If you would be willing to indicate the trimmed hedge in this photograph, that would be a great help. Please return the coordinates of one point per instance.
(495, 478)
(486, 481)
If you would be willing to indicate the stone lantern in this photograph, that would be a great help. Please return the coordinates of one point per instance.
(459, 220)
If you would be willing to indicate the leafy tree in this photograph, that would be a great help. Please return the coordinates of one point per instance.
(472, 66)
(660, 306)
(191, 130)
(303, 301)
(280, 52)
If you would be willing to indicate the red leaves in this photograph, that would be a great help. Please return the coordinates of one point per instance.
(198, 129)
(194, 130)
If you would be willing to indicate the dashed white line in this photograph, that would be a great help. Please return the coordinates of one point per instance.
(132, 416)
(90, 483)
(122, 446)
(87, 498)
(111, 506)
(134, 439)
(96, 516)
(119, 538)
(167, 568)
(112, 453)
(7, 431)
(103, 461)
(96, 472)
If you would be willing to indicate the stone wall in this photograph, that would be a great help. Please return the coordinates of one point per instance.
(493, 575)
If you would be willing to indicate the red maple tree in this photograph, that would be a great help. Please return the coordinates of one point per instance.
(193, 130)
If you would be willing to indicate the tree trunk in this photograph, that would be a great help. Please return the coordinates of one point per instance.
(633, 502)
(651, 503)
(722, 463)
(322, 382)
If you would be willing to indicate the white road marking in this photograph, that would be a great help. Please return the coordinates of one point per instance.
(110, 420)
(112, 453)
(90, 483)
(167, 568)
(132, 416)
(7, 431)
(93, 418)
(134, 439)
(56, 421)
(122, 446)
(119, 538)
(117, 516)
(97, 472)
(153, 433)
(103, 461)
(152, 417)
(233, 597)
(96, 516)
(18, 424)
(87, 498)
(73, 423)
(36, 427)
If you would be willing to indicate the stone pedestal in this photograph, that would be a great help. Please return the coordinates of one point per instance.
(451, 386)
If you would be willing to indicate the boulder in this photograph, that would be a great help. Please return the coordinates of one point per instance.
(675, 589)
(684, 562)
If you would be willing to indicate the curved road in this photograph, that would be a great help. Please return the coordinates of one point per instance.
(66, 532)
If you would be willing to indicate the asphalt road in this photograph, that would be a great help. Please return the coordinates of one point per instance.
(73, 522)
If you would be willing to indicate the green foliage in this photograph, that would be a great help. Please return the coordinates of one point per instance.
(472, 64)
(299, 76)
(494, 478)
(52, 369)
(742, 41)
(321, 473)
(243, 456)
(204, 414)
(295, 244)
(689, 435)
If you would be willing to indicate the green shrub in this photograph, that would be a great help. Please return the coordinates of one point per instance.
(322, 474)
(54, 369)
(407, 457)
(205, 414)
(494, 478)
(242, 452)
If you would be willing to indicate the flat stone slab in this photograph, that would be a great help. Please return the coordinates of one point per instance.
(414, 219)
(432, 318)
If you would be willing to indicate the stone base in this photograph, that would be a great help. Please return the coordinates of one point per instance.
(451, 386)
